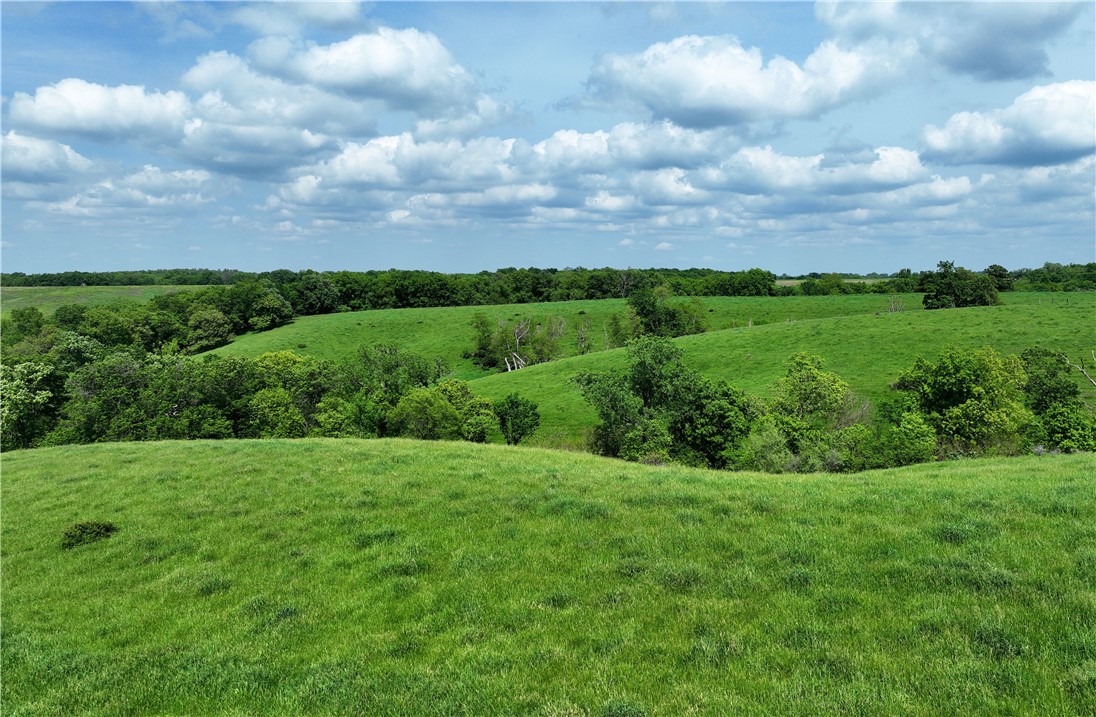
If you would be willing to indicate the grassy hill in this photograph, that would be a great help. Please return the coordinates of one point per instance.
(867, 350)
(48, 298)
(399, 578)
(446, 332)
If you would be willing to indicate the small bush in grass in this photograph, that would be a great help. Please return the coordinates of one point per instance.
(623, 709)
(89, 532)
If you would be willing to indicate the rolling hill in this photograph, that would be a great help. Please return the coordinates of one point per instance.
(392, 577)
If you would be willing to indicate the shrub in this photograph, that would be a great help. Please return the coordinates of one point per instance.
(84, 533)
(426, 415)
(1069, 427)
(913, 440)
(972, 398)
(518, 417)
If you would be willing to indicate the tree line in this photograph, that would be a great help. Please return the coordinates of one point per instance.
(967, 402)
(83, 392)
(399, 288)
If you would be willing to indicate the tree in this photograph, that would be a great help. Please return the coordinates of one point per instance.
(518, 418)
(270, 311)
(24, 322)
(1000, 276)
(475, 412)
(425, 414)
(314, 294)
(208, 329)
(658, 409)
(972, 398)
(708, 420)
(272, 413)
(951, 287)
(29, 404)
(1049, 380)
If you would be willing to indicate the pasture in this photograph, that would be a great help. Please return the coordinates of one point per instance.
(447, 332)
(392, 577)
(48, 298)
(867, 350)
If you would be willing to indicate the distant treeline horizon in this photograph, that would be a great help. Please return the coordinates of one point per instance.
(411, 287)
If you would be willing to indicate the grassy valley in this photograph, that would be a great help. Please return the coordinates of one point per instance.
(396, 577)
(447, 332)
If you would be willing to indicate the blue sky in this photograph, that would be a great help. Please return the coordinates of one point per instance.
(460, 137)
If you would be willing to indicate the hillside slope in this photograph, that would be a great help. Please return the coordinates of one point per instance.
(868, 351)
(399, 578)
(447, 331)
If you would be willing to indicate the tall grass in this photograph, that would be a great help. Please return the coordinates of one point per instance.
(392, 577)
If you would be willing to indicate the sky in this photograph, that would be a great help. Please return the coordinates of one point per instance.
(470, 136)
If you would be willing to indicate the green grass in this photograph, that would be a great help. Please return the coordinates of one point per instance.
(447, 332)
(391, 577)
(868, 351)
(48, 298)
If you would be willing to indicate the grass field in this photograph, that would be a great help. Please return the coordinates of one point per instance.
(447, 332)
(868, 351)
(48, 298)
(391, 577)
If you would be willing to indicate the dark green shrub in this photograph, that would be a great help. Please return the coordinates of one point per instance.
(518, 417)
(84, 533)
(623, 709)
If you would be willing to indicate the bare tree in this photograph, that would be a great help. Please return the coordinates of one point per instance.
(624, 280)
(1081, 366)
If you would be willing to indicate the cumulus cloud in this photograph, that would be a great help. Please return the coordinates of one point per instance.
(990, 41)
(403, 162)
(249, 150)
(714, 81)
(762, 170)
(90, 109)
(485, 112)
(150, 189)
(33, 160)
(290, 18)
(1046, 125)
(631, 145)
(408, 69)
(230, 91)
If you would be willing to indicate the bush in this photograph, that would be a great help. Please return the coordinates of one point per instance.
(1069, 427)
(426, 415)
(84, 533)
(518, 417)
(971, 398)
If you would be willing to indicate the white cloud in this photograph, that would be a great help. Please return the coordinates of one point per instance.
(87, 108)
(486, 112)
(149, 190)
(408, 69)
(249, 150)
(34, 160)
(232, 92)
(1047, 125)
(664, 246)
(714, 81)
(762, 170)
(988, 40)
(291, 18)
